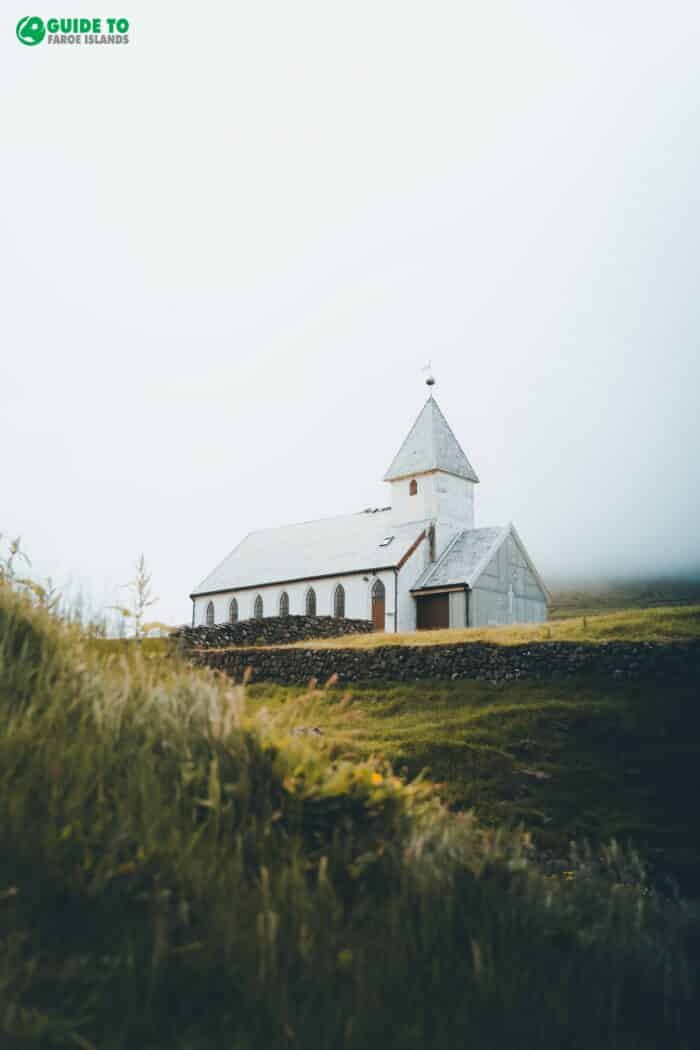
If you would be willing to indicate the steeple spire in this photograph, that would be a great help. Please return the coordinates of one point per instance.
(430, 445)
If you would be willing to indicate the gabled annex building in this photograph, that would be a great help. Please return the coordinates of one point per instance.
(419, 563)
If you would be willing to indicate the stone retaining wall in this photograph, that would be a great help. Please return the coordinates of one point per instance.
(471, 660)
(271, 630)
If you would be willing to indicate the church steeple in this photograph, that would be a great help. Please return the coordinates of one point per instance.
(430, 445)
(431, 478)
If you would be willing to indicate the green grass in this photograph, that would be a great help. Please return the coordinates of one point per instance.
(178, 872)
(570, 760)
(640, 625)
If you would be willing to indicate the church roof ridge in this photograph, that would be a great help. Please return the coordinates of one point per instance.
(319, 521)
(430, 445)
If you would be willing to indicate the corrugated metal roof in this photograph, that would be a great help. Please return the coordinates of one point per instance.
(327, 547)
(430, 445)
(462, 559)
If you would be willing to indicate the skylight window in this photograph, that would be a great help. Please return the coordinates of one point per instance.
(386, 541)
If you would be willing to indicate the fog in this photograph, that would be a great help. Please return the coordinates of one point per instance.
(228, 248)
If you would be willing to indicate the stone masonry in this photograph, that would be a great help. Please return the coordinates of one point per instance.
(271, 630)
(476, 660)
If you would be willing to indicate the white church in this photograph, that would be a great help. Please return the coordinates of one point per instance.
(419, 563)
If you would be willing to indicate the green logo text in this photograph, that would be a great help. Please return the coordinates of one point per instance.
(75, 31)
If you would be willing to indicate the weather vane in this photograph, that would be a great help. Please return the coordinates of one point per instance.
(430, 378)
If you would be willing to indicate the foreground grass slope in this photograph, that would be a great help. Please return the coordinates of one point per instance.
(681, 623)
(571, 759)
(177, 873)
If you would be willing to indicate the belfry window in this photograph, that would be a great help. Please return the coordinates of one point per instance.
(210, 614)
(284, 604)
(258, 607)
(339, 602)
(413, 487)
(233, 611)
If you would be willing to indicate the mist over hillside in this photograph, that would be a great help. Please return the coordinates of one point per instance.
(576, 595)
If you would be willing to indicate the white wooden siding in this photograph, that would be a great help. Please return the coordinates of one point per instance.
(507, 591)
(458, 609)
(358, 598)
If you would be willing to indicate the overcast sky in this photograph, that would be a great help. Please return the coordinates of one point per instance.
(228, 247)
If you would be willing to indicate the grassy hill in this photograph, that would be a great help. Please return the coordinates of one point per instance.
(179, 871)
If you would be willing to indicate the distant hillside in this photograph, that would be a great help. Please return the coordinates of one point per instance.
(576, 598)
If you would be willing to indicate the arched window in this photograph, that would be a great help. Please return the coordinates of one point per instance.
(210, 614)
(339, 602)
(233, 611)
(311, 602)
(258, 607)
(378, 605)
(413, 487)
(284, 604)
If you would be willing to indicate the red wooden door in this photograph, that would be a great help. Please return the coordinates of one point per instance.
(379, 605)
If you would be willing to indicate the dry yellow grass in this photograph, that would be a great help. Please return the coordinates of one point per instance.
(641, 625)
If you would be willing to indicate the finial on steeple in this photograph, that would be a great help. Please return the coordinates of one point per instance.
(430, 378)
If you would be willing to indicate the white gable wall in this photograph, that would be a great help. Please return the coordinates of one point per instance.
(407, 508)
(455, 508)
(408, 574)
(358, 598)
(507, 590)
(442, 498)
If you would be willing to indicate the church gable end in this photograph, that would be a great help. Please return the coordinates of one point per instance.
(507, 588)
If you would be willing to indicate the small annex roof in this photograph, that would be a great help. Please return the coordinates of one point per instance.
(430, 445)
(313, 549)
(467, 555)
(462, 560)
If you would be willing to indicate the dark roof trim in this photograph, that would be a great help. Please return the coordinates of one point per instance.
(440, 590)
(296, 579)
(414, 546)
(433, 470)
